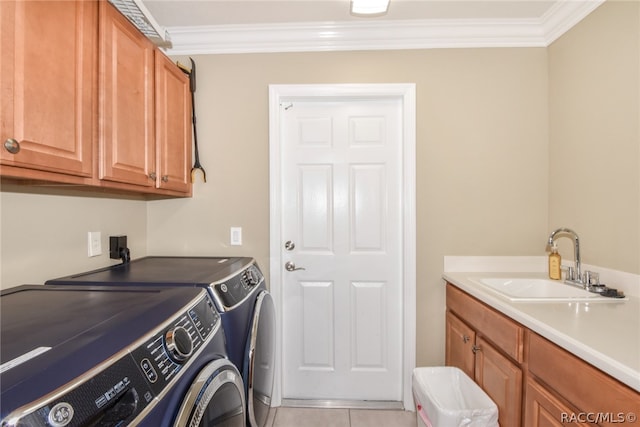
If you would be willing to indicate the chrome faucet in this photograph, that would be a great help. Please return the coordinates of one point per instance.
(573, 275)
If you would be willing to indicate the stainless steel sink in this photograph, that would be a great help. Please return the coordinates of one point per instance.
(525, 289)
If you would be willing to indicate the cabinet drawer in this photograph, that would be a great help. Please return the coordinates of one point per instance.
(503, 332)
(585, 386)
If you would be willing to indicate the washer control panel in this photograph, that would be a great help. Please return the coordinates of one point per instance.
(163, 355)
(134, 379)
(232, 291)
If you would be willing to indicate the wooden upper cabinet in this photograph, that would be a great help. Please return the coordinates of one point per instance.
(173, 125)
(87, 99)
(48, 63)
(126, 102)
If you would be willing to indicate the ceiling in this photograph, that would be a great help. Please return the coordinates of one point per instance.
(172, 13)
(235, 26)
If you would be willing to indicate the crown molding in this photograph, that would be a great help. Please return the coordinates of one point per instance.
(563, 15)
(380, 35)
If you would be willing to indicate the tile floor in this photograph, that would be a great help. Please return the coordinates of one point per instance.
(319, 417)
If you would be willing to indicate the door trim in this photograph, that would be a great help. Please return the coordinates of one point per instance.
(406, 92)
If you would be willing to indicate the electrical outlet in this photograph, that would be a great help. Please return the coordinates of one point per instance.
(118, 248)
(94, 243)
(236, 236)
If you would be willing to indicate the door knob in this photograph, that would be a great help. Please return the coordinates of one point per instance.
(289, 266)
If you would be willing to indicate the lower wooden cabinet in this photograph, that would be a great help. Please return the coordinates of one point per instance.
(468, 349)
(534, 382)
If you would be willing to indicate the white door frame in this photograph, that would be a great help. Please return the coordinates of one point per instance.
(407, 93)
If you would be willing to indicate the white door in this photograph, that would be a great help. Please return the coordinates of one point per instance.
(342, 216)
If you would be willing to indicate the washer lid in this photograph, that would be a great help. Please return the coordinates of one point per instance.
(53, 334)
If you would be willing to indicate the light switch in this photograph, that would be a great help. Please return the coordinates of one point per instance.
(94, 243)
(236, 236)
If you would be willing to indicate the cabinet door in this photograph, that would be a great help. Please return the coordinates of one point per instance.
(127, 140)
(501, 380)
(459, 342)
(543, 410)
(173, 125)
(47, 81)
(583, 385)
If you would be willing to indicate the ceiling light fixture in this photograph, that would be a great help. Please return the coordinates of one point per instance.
(369, 7)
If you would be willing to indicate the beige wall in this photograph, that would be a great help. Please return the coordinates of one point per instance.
(485, 119)
(481, 157)
(44, 232)
(594, 87)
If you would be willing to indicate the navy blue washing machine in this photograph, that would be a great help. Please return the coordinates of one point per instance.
(239, 291)
(114, 356)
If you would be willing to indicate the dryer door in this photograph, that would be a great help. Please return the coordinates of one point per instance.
(215, 399)
(260, 363)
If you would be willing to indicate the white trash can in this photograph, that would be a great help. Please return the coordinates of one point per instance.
(447, 397)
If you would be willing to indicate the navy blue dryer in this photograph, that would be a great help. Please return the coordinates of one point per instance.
(114, 356)
(239, 290)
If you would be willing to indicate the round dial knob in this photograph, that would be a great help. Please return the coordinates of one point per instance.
(179, 344)
(251, 277)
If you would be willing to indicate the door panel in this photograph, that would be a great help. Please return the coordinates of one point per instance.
(127, 138)
(542, 409)
(501, 380)
(316, 216)
(341, 206)
(367, 208)
(460, 338)
(368, 331)
(317, 332)
(173, 125)
(48, 52)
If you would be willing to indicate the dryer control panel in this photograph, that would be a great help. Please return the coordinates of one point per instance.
(234, 290)
(132, 381)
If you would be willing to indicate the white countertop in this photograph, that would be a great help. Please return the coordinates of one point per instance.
(605, 334)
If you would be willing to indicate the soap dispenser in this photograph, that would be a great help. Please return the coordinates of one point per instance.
(555, 262)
